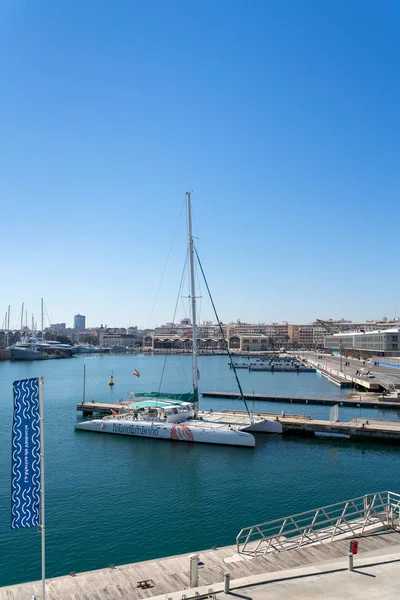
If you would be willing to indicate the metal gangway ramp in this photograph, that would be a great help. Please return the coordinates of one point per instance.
(352, 518)
(388, 384)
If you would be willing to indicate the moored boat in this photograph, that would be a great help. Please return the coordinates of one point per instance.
(167, 421)
(171, 417)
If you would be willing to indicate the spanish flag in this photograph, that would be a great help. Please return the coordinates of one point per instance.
(135, 372)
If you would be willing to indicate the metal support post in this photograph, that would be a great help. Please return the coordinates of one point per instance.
(42, 492)
(350, 555)
(194, 570)
(227, 582)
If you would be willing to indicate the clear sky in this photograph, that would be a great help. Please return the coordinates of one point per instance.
(281, 117)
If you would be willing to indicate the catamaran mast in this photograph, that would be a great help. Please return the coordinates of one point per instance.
(192, 295)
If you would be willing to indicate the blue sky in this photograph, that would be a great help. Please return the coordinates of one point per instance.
(281, 117)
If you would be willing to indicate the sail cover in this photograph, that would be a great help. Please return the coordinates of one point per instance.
(186, 397)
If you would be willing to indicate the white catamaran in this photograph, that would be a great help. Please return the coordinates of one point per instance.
(176, 416)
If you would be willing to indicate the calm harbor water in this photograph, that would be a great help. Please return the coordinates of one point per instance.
(113, 500)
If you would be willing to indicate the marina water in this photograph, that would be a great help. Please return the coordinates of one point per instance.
(115, 499)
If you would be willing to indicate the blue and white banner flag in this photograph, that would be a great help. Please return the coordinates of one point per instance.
(25, 473)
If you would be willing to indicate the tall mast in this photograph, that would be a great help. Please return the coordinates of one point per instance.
(84, 384)
(22, 316)
(9, 313)
(192, 294)
(42, 319)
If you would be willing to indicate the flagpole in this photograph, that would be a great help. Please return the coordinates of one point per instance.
(42, 521)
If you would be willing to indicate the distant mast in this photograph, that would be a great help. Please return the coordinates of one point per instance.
(42, 320)
(84, 384)
(193, 298)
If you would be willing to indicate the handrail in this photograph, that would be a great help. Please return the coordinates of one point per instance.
(347, 518)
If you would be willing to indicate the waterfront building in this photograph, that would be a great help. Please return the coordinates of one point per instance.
(293, 334)
(119, 338)
(277, 333)
(319, 334)
(252, 343)
(376, 341)
(79, 322)
(306, 336)
(58, 326)
(178, 336)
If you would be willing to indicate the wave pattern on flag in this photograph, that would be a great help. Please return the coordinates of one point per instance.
(25, 472)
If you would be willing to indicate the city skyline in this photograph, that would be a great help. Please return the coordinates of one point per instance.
(15, 321)
(282, 119)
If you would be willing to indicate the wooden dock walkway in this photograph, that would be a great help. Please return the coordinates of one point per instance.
(171, 574)
(356, 401)
(104, 408)
(100, 408)
(358, 429)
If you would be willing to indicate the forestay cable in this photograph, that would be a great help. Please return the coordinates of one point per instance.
(223, 337)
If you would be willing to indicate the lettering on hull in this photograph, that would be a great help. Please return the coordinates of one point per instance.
(135, 430)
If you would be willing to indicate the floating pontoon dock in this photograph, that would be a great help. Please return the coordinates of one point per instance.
(357, 401)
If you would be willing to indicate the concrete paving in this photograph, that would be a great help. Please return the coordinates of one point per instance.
(375, 582)
(380, 582)
(375, 576)
(390, 373)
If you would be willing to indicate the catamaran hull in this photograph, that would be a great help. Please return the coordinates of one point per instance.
(179, 432)
(264, 427)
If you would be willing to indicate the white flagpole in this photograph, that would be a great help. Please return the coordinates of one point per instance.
(42, 527)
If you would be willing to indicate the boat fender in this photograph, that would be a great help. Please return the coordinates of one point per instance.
(102, 425)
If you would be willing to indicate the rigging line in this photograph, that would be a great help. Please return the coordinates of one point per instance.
(183, 369)
(47, 314)
(223, 337)
(173, 319)
(165, 265)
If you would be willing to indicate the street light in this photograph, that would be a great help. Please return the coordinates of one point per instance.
(340, 347)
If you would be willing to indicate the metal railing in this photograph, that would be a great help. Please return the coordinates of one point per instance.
(351, 518)
(389, 385)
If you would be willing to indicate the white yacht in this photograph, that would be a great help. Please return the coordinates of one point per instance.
(27, 349)
(85, 349)
(34, 348)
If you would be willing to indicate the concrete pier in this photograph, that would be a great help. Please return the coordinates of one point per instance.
(169, 577)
